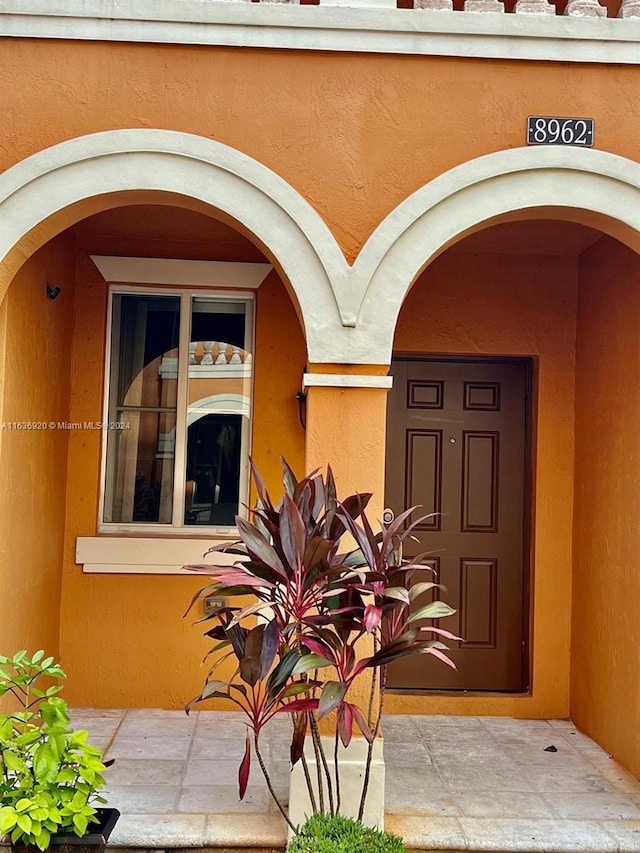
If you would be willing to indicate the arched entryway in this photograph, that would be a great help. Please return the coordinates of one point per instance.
(560, 301)
(53, 189)
(350, 316)
(105, 611)
(584, 186)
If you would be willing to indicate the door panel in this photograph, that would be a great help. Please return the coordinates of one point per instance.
(456, 445)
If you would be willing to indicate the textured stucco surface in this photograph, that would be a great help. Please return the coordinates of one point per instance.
(515, 305)
(605, 672)
(123, 638)
(353, 134)
(33, 462)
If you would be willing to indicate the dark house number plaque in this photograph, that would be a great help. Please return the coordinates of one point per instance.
(546, 130)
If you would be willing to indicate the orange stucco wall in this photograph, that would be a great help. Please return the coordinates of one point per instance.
(346, 429)
(279, 364)
(3, 351)
(516, 305)
(605, 672)
(354, 133)
(33, 463)
(123, 639)
(338, 420)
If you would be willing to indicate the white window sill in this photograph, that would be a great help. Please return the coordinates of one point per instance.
(126, 555)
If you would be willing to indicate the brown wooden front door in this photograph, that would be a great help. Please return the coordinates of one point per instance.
(457, 445)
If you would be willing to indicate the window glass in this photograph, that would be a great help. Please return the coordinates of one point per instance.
(143, 395)
(180, 383)
(218, 411)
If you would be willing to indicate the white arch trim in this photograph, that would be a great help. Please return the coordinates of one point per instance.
(199, 168)
(469, 195)
(349, 313)
(218, 404)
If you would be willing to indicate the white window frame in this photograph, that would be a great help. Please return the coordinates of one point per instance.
(177, 526)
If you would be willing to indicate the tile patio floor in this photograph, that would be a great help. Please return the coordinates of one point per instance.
(452, 783)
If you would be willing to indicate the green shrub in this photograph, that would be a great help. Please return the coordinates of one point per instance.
(325, 834)
(49, 775)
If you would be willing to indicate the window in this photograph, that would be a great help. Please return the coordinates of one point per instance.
(179, 397)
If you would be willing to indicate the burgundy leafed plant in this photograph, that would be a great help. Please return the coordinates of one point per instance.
(315, 606)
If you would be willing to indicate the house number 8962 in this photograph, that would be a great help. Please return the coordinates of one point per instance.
(546, 130)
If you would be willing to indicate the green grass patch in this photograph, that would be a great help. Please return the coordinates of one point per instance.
(326, 834)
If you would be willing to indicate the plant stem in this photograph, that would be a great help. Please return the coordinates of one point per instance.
(26, 706)
(5, 772)
(337, 772)
(316, 749)
(268, 781)
(305, 766)
(374, 681)
(383, 684)
(307, 777)
(367, 772)
(323, 758)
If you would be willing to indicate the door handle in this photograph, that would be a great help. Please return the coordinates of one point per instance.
(388, 515)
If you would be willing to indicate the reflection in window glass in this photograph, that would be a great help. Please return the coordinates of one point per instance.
(182, 456)
(143, 395)
(213, 470)
(143, 463)
(218, 411)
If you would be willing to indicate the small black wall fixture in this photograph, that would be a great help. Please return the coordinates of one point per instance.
(301, 397)
(53, 292)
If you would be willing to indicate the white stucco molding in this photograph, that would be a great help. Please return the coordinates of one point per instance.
(345, 380)
(198, 168)
(328, 28)
(469, 195)
(349, 313)
(147, 555)
(216, 274)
